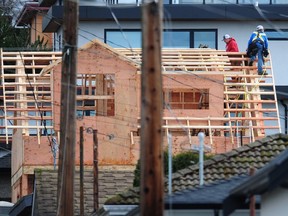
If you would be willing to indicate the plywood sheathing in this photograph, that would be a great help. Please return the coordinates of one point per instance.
(98, 60)
(245, 108)
(232, 92)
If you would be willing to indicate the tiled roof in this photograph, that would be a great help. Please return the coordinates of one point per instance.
(270, 177)
(222, 166)
(213, 193)
(110, 183)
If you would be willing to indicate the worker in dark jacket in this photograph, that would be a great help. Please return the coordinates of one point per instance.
(257, 47)
(231, 44)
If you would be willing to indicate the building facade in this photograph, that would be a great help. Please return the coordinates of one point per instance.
(188, 26)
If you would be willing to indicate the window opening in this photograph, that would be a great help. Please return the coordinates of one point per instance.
(187, 99)
(95, 95)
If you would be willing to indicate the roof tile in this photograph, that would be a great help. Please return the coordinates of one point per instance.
(224, 166)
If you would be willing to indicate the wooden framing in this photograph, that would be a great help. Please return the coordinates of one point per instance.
(238, 102)
(26, 95)
(246, 100)
(244, 91)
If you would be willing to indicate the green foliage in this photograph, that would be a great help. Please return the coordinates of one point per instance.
(179, 161)
(137, 174)
(10, 36)
(39, 44)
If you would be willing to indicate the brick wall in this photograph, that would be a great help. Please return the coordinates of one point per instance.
(111, 182)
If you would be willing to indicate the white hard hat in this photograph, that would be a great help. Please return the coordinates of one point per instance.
(260, 28)
(226, 36)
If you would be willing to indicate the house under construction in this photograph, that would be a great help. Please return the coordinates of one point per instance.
(203, 90)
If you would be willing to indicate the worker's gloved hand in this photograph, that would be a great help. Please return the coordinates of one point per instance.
(265, 52)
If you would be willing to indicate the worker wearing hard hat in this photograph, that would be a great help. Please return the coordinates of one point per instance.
(231, 44)
(257, 47)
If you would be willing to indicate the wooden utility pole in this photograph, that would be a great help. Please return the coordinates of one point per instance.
(152, 182)
(66, 166)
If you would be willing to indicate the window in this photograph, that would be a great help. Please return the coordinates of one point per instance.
(221, 2)
(205, 37)
(59, 42)
(253, 2)
(281, 34)
(186, 98)
(178, 38)
(279, 1)
(128, 39)
(95, 94)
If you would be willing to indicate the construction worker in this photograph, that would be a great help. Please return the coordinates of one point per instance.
(257, 47)
(231, 44)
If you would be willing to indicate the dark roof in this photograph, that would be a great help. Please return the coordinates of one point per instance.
(266, 179)
(236, 162)
(28, 12)
(223, 166)
(282, 92)
(23, 206)
(5, 161)
(210, 196)
(178, 12)
(273, 175)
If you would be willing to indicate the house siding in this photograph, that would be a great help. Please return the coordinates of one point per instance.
(275, 203)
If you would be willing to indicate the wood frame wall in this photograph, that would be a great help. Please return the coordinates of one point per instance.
(247, 102)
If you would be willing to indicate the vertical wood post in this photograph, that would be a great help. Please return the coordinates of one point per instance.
(81, 173)
(152, 182)
(66, 166)
(95, 171)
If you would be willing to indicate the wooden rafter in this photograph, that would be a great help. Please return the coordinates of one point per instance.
(26, 75)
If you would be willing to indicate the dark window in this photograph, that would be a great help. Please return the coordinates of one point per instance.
(139, 2)
(178, 38)
(281, 34)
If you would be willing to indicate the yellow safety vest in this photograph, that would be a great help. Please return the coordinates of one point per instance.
(258, 35)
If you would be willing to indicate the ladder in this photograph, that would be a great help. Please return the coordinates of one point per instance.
(256, 96)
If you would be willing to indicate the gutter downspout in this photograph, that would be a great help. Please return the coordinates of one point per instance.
(285, 114)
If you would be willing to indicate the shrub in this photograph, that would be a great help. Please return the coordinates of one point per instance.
(179, 161)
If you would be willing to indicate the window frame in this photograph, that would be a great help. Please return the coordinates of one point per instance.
(276, 39)
(182, 103)
(191, 31)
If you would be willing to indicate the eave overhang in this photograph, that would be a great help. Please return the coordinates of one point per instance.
(178, 12)
(28, 13)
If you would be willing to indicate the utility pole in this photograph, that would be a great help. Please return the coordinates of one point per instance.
(152, 182)
(66, 166)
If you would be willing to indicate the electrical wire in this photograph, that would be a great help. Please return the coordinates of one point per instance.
(114, 16)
